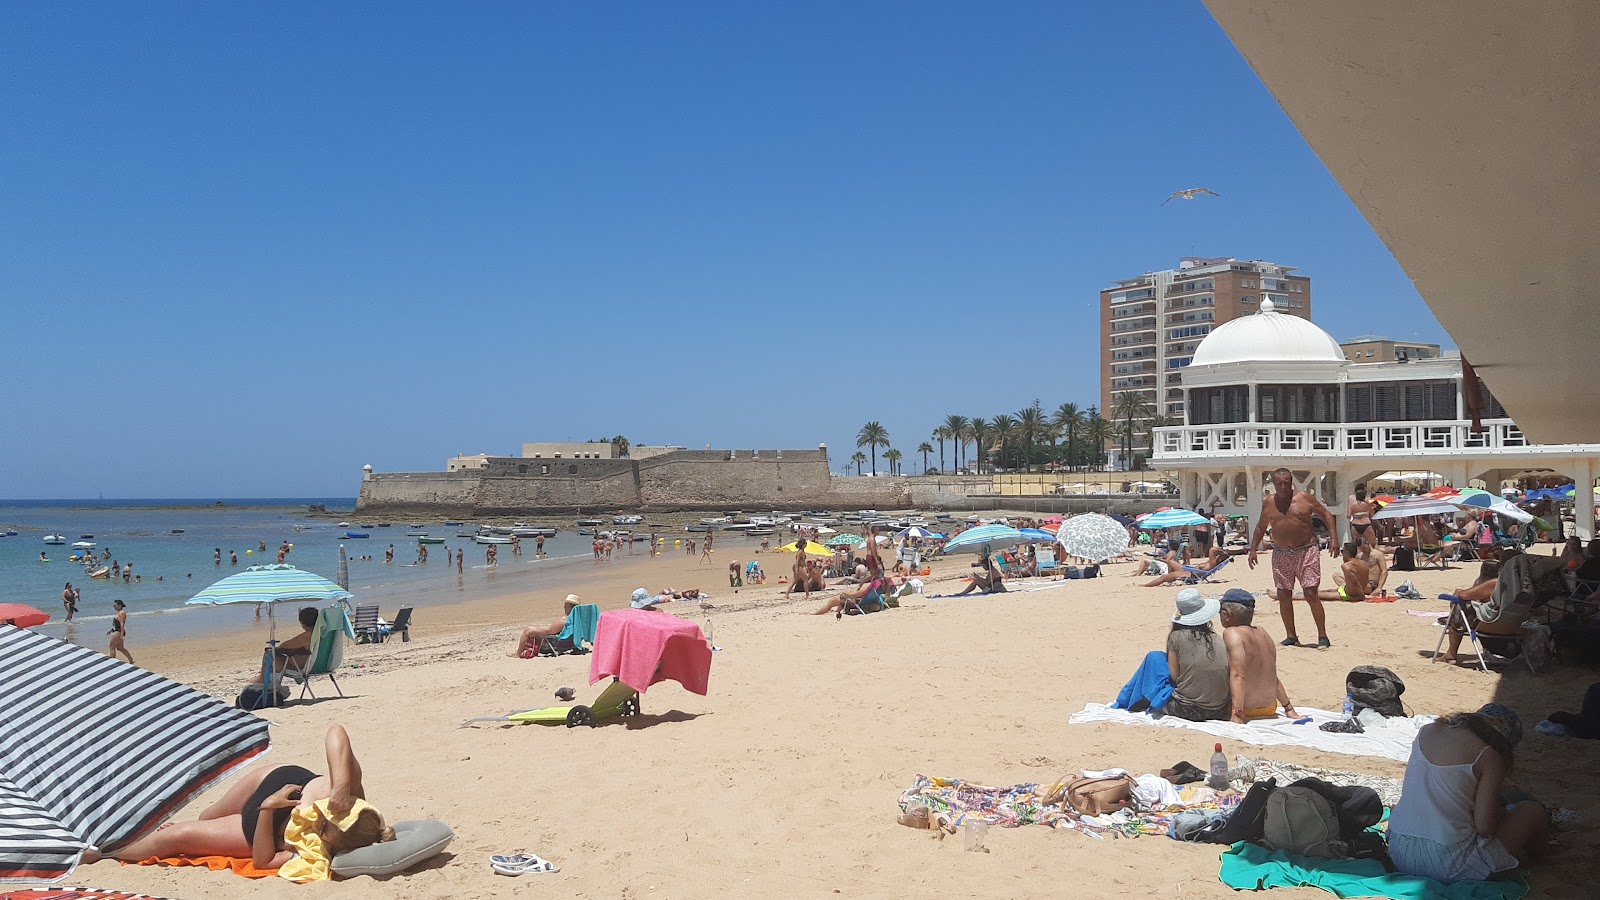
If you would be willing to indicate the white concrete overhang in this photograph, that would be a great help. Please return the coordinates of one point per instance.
(1468, 134)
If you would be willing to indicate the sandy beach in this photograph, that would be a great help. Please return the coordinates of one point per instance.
(783, 781)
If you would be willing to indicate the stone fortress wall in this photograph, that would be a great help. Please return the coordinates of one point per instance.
(696, 480)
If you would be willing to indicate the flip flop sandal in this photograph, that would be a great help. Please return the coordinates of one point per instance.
(527, 864)
(514, 859)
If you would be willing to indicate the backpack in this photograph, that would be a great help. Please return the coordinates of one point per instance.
(1405, 560)
(1302, 822)
(1376, 688)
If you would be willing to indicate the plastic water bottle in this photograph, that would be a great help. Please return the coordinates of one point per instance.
(1219, 770)
(1349, 706)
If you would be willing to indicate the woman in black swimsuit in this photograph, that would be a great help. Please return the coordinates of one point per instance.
(119, 631)
(249, 820)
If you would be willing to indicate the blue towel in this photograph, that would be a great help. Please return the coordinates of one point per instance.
(1153, 683)
(582, 623)
(1247, 867)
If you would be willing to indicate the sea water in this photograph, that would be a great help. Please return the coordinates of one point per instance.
(174, 567)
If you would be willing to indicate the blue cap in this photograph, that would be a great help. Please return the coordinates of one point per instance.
(1240, 596)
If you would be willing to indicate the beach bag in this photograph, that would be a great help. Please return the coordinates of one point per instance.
(253, 698)
(1098, 796)
(1405, 560)
(1357, 808)
(1301, 821)
(1376, 688)
(1245, 822)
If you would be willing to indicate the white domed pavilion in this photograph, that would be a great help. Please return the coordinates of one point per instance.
(1271, 390)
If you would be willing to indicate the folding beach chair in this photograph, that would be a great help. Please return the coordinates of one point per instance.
(580, 629)
(401, 626)
(327, 652)
(365, 624)
(1045, 561)
(1502, 645)
(1198, 575)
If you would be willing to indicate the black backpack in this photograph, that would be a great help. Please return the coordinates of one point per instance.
(1405, 560)
(1377, 688)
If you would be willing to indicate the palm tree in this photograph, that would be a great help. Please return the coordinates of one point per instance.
(957, 426)
(858, 459)
(892, 457)
(939, 434)
(872, 436)
(925, 448)
(1098, 431)
(978, 430)
(1030, 424)
(1128, 407)
(620, 446)
(1069, 418)
(1003, 428)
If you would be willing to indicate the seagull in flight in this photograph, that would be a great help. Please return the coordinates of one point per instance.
(1189, 194)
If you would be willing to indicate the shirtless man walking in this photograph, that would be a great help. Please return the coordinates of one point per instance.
(1361, 530)
(1288, 512)
(1254, 686)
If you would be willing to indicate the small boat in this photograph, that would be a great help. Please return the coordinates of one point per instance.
(176, 531)
(102, 572)
(533, 531)
(698, 527)
(55, 539)
(465, 532)
(416, 532)
(8, 534)
(453, 524)
(627, 520)
(86, 537)
(83, 545)
(491, 539)
(589, 523)
(344, 524)
(429, 540)
(761, 532)
(587, 532)
(354, 535)
(738, 527)
(365, 525)
(383, 524)
(714, 520)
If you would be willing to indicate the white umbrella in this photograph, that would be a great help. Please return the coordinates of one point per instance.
(1407, 507)
(1093, 537)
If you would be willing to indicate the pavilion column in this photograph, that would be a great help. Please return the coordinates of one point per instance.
(1252, 492)
(1583, 497)
(1253, 416)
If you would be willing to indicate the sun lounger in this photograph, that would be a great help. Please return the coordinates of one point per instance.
(1198, 575)
(401, 626)
(327, 652)
(365, 623)
(616, 700)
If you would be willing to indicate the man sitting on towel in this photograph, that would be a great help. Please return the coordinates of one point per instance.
(1253, 681)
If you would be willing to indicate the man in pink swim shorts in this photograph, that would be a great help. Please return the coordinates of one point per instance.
(1295, 551)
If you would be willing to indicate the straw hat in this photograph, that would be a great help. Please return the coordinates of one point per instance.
(573, 600)
(1194, 608)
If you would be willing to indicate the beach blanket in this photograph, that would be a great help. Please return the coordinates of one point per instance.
(1386, 738)
(1023, 804)
(640, 648)
(72, 894)
(243, 867)
(1247, 867)
(1019, 586)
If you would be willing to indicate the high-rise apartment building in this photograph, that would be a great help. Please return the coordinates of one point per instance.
(1150, 325)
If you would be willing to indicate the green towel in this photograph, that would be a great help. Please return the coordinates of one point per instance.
(582, 623)
(1248, 867)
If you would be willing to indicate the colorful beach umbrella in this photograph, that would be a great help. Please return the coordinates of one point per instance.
(1093, 537)
(846, 540)
(983, 538)
(915, 531)
(1036, 536)
(97, 752)
(22, 615)
(1172, 518)
(270, 584)
(1406, 507)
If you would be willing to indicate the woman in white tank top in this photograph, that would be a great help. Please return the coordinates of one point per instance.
(1451, 823)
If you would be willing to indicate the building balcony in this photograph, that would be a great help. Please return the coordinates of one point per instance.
(1438, 438)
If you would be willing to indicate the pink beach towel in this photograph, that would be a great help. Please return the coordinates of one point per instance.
(641, 648)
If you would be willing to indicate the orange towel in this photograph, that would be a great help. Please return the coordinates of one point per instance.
(244, 867)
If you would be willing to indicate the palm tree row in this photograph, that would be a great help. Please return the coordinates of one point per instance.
(1070, 436)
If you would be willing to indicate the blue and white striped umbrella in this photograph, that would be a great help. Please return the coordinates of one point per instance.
(1172, 518)
(270, 584)
(915, 531)
(97, 752)
(1037, 536)
(983, 538)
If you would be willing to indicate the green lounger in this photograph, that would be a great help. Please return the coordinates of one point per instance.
(616, 700)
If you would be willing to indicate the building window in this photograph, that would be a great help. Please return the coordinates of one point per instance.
(1247, 299)
(544, 470)
(522, 469)
(1247, 282)
(572, 470)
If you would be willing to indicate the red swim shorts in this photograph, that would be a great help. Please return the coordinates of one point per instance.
(1302, 564)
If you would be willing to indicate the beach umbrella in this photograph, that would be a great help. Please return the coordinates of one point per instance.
(845, 540)
(823, 530)
(1497, 505)
(98, 752)
(1406, 507)
(1093, 537)
(344, 569)
(22, 615)
(982, 538)
(915, 531)
(1125, 520)
(270, 584)
(1037, 536)
(1442, 491)
(811, 547)
(1172, 518)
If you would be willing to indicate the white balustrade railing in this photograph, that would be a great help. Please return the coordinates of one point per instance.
(1334, 438)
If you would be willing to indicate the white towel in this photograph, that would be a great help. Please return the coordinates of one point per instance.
(1387, 738)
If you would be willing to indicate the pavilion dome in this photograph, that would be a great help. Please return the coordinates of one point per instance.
(1267, 336)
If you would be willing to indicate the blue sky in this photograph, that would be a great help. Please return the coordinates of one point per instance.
(250, 247)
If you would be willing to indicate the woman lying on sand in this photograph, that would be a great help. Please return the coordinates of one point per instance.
(251, 819)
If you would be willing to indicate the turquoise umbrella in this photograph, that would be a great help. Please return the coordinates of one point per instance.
(984, 537)
(270, 584)
(846, 540)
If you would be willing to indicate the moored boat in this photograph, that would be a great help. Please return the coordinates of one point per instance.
(589, 523)
(627, 520)
(55, 539)
(83, 545)
(429, 540)
(491, 539)
(353, 535)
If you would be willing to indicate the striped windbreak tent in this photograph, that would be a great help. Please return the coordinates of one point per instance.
(95, 752)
